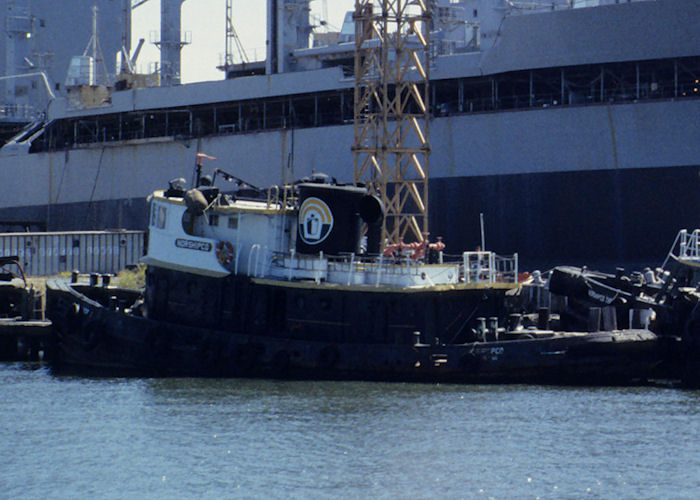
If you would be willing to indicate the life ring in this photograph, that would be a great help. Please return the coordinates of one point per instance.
(224, 252)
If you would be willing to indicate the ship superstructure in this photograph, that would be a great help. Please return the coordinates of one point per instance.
(38, 41)
(572, 130)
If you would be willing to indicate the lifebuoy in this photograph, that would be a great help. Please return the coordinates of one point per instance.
(224, 252)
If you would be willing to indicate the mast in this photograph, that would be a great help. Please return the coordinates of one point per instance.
(232, 40)
(391, 148)
(93, 47)
(94, 33)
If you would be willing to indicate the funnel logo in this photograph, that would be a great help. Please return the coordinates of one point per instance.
(315, 221)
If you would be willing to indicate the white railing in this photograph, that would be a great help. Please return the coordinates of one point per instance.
(381, 265)
(487, 267)
(382, 270)
(687, 246)
(472, 268)
(507, 268)
(690, 245)
(280, 199)
(291, 266)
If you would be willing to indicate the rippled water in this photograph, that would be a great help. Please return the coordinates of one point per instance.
(71, 437)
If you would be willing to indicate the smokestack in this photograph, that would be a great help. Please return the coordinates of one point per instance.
(171, 41)
(288, 28)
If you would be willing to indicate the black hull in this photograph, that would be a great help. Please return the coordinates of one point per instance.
(674, 302)
(599, 218)
(99, 340)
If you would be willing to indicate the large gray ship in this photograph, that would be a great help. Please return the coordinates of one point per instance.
(572, 126)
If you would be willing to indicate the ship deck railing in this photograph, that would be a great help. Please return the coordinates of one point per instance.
(476, 267)
(281, 198)
(686, 247)
(484, 266)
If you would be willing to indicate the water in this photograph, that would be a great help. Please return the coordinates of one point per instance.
(72, 437)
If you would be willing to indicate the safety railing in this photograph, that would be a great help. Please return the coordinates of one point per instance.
(281, 199)
(686, 246)
(488, 267)
(690, 245)
(470, 267)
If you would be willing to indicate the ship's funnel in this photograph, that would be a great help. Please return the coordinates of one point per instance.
(171, 41)
(331, 216)
(288, 29)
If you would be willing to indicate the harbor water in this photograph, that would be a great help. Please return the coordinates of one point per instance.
(75, 437)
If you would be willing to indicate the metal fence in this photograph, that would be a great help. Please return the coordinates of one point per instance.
(45, 254)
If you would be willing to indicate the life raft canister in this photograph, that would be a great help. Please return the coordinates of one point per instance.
(224, 252)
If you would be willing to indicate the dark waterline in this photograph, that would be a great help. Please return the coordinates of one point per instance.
(72, 437)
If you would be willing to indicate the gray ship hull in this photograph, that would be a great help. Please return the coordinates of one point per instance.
(590, 184)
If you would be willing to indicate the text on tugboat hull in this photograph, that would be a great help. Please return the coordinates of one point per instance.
(202, 246)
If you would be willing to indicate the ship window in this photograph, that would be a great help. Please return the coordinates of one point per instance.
(213, 220)
(158, 217)
(476, 13)
(188, 222)
(161, 217)
(233, 222)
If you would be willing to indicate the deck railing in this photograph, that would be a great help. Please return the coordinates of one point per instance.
(690, 245)
(481, 266)
(471, 267)
(686, 246)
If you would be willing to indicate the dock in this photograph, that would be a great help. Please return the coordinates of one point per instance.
(25, 340)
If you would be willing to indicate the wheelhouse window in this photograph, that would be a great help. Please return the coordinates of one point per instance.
(158, 216)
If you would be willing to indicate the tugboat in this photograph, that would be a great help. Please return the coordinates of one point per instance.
(665, 300)
(314, 280)
(277, 284)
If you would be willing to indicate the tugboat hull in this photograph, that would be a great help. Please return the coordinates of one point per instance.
(108, 340)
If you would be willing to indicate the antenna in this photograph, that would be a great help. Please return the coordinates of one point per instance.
(232, 40)
(95, 50)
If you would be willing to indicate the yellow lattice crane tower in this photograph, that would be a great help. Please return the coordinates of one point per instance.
(391, 149)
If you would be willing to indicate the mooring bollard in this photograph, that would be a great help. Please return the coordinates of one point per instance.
(114, 303)
(416, 338)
